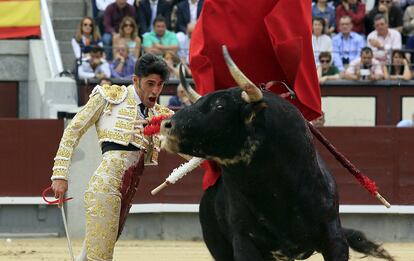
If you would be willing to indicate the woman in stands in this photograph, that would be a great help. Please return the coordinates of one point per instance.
(399, 69)
(128, 31)
(85, 38)
(320, 41)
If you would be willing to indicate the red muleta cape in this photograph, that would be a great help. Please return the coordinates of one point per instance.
(268, 40)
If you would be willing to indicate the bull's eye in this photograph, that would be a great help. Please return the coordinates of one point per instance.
(219, 107)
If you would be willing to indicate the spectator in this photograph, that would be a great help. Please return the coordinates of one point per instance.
(353, 9)
(392, 13)
(184, 43)
(172, 62)
(408, 21)
(101, 6)
(383, 40)
(188, 11)
(105, 81)
(366, 67)
(347, 44)
(327, 12)
(160, 40)
(320, 121)
(399, 69)
(180, 100)
(85, 38)
(128, 32)
(149, 10)
(326, 70)
(403, 4)
(320, 42)
(406, 123)
(94, 66)
(113, 16)
(123, 64)
(410, 48)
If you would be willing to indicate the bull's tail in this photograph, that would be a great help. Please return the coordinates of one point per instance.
(358, 242)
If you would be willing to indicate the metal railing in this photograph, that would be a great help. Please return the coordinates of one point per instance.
(51, 47)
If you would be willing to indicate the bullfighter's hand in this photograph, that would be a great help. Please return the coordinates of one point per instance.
(59, 187)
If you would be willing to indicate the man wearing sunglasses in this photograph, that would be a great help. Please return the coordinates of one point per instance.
(118, 113)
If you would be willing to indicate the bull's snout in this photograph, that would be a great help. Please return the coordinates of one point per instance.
(169, 141)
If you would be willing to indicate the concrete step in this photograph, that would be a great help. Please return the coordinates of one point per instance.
(72, 8)
(66, 22)
(68, 60)
(64, 34)
(65, 46)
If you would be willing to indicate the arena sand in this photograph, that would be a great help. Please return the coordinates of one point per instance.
(55, 249)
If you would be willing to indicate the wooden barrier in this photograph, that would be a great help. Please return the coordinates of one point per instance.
(383, 153)
(388, 95)
(9, 99)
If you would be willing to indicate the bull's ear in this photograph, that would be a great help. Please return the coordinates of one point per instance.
(255, 108)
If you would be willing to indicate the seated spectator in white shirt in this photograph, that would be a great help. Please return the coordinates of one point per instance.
(320, 41)
(95, 66)
(406, 123)
(383, 40)
(365, 68)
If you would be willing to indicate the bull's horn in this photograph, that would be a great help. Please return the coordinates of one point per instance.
(191, 93)
(251, 92)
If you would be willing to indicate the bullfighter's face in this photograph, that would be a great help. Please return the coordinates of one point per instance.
(215, 127)
(148, 88)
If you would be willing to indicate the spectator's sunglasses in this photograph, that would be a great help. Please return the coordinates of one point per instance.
(385, 1)
(87, 24)
(128, 25)
(325, 60)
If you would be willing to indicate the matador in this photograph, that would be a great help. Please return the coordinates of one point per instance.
(118, 112)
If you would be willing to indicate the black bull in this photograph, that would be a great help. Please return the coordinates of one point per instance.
(276, 199)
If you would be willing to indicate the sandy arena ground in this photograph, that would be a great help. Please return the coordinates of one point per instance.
(56, 250)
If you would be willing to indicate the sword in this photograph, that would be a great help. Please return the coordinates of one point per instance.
(62, 210)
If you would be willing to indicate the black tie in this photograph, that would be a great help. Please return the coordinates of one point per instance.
(143, 109)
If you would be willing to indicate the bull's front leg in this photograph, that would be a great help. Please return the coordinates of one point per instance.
(244, 249)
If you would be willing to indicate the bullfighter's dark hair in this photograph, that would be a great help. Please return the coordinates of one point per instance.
(151, 64)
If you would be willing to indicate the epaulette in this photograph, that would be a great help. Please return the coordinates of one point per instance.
(162, 109)
(114, 94)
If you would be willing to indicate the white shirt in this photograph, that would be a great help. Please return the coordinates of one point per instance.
(193, 10)
(102, 4)
(183, 46)
(320, 44)
(154, 5)
(375, 69)
(405, 124)
(86, 71)
(390, 42)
